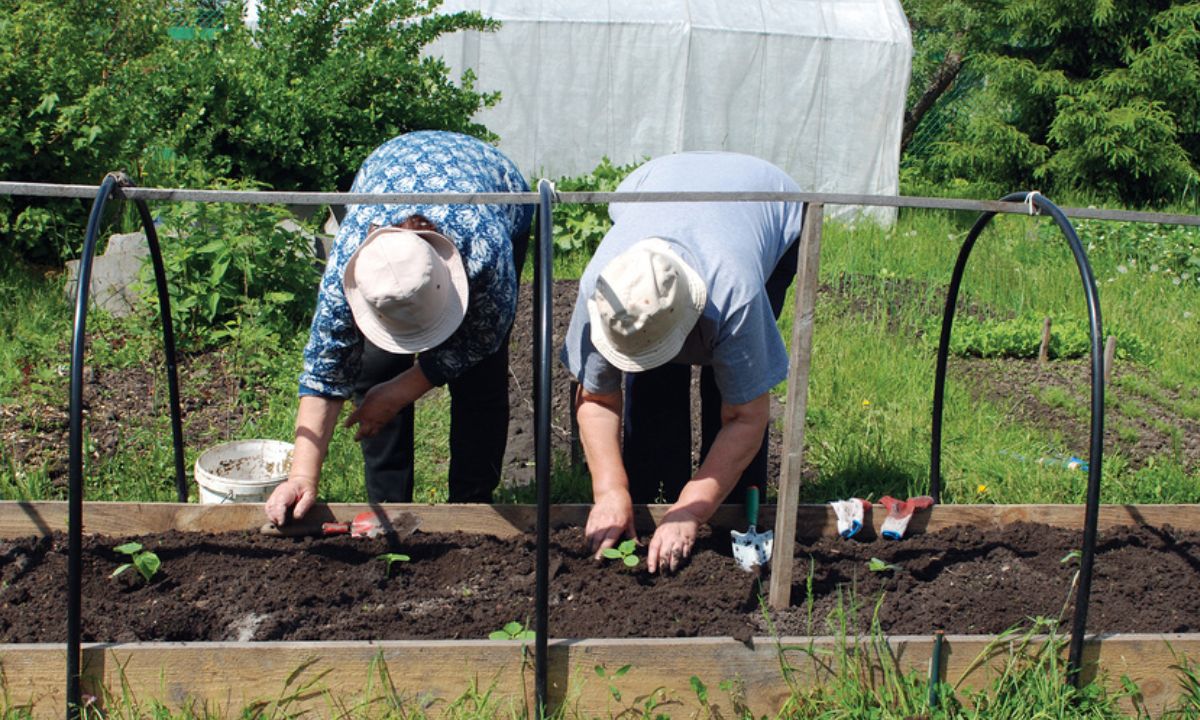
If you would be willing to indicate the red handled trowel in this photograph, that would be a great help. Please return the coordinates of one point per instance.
(752, 549)
(369, 524)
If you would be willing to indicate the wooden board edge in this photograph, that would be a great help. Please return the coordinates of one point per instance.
(227, 677)
(21, 518)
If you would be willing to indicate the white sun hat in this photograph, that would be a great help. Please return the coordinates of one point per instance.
(646, 301)
(407, 289)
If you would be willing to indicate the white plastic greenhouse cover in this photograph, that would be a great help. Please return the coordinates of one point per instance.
(815, 86)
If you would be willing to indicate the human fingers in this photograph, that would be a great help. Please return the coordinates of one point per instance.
(679, 553)
(652, 553)
(307, 499)
(282, 498)
(603, 539)
(668, 550)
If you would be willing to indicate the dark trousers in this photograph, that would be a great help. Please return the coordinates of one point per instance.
(478, 423)
(657, 439)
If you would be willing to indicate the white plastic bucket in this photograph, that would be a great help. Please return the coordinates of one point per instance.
(242, 470)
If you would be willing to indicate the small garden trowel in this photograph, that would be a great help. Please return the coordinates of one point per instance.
(369, 524)
(752, 549)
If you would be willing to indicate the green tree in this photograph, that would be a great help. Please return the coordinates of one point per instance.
(1098, 96)
(91, 86)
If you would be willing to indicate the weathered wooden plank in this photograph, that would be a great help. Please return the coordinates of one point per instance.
(226, 677)
(807, 279)
(108, 518)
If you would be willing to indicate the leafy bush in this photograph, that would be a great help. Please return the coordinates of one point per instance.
(228, 262)
(581, 227)
(92, 86)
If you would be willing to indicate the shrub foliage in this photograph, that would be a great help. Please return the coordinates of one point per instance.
(91, 86)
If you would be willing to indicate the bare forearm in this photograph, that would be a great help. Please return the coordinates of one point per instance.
(734, 447)
(600, 434)
(611, 516)
(315, 422)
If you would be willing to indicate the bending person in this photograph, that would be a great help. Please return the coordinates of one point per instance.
(414, 296)
(674, 285)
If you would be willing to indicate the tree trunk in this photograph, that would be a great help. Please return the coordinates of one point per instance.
(941, 80)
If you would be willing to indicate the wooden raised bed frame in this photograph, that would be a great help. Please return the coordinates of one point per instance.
(228, 676)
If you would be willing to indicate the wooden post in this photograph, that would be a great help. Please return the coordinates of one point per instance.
(797, 405)
(1044, 350)
(1110, 354)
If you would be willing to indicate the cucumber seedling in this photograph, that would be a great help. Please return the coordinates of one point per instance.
(144, 561)
(626, 552)
(390, 559)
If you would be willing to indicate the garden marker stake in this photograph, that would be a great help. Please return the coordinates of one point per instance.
(850, 515)
(369, 523)
(899, 513)
(752, 549)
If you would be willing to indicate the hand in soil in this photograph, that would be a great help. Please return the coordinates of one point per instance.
(673, 541)
(609, 522)
(295, 495)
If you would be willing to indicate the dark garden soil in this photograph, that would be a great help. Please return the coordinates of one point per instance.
(245, 586)
(33, 431)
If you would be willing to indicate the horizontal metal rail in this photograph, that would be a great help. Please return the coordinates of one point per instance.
(531, 198)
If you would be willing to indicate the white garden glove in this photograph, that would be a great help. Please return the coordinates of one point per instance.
(899, 513)
(849, 515)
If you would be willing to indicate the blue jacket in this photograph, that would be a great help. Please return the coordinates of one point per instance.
(425, 162)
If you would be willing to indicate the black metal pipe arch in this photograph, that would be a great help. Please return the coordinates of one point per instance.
(109, 187)
(1092, 508)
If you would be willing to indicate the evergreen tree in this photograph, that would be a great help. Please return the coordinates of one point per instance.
(1093, 96)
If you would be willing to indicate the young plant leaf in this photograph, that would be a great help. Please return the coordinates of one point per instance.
(512, 631)
(877, 565)
(390, 559)
(147, 563)
(129, 548)
(626, 552)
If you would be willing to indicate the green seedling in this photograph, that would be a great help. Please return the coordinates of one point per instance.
(609, 677)
(146, 562)
(626, 551)
(877, 565)
(390, 559)
(1073, 555)
(512, 631)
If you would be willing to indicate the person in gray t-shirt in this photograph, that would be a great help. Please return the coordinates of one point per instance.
(674, 285)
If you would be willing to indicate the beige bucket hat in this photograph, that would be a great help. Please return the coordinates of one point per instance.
(646, 301)
(407, 289)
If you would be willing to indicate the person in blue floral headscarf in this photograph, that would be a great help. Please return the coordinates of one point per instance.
(414, 296)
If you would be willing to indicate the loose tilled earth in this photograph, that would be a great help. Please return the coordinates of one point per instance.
(245, 586)
(1138, 426)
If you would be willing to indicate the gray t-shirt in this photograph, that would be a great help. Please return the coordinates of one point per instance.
(734, 246)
